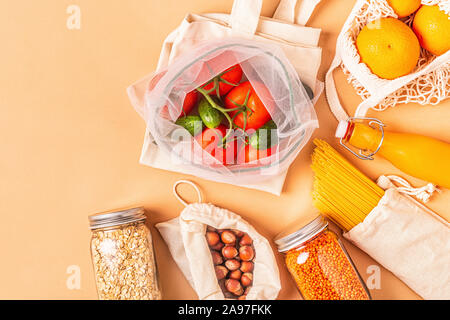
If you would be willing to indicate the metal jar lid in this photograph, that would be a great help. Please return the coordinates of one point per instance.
(116, 218)
(302, 235)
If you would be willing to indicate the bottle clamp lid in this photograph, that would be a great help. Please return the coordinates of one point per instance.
(341, 132)
(302, 235)
(116, 218)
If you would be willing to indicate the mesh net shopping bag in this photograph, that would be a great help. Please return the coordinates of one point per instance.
(429, 83)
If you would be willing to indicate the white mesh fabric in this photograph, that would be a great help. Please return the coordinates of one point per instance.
(430, 88)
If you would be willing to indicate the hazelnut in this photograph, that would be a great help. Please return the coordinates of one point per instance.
(234, 287)
(246, 253)
(221, 272)
(247, 279)
(236, 274)
(238, 233)
(228, 295)
(243, 297)
(246, 240)
(228, 237)
(247, 266)
(218, 246)
(212, 238)
(212, 229)
(247, 290)
(229, 252)
(232, 264)
(216, 257)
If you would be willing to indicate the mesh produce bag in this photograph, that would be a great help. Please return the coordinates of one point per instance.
(279, 37)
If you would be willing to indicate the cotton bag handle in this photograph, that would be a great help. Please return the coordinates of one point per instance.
(244, 17)
(196, 188)
(286, 11)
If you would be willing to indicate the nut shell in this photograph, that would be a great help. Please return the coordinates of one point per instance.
(221, 272)
(212, 238)
(246, 240)
(232, 264)
(234, 287)
(236, 274)
(218, 246)
(229, 252)
(228, 237)
(247, 266)
(247, 279)
(246, 253)
(216, 257)
(238, 233)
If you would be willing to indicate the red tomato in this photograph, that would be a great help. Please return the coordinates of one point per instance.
(249, 154)
(189, 101)
(211, 141)
(232, 75)
(257, 114)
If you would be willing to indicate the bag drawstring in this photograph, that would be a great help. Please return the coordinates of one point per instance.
(423, 193)
(192, 184)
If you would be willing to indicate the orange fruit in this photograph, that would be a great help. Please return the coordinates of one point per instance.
(388, 47)
(432, 27)
(404, 8)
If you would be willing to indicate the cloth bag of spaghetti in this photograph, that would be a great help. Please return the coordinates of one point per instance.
(231, 110)
(221, 255)
(396, 230)
(273, 60)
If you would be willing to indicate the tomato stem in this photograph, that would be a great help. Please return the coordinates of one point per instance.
(215, 106)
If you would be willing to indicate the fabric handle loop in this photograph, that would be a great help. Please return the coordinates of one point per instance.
(244, 17)
(423, 193)
(330, 90)
(192, 184)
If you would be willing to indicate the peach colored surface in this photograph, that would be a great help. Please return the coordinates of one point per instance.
(70, 142)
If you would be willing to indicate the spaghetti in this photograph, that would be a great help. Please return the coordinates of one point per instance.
(341, 191)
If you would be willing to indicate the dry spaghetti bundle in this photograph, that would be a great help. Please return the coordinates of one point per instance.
(341, 191)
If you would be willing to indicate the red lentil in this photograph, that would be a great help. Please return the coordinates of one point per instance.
(322, 270)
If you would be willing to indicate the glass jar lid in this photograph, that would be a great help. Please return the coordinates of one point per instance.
(296, 238)
(116, 218)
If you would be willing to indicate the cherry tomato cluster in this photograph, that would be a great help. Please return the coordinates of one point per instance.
(236, 126)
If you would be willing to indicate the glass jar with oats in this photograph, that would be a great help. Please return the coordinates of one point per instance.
(123, 256)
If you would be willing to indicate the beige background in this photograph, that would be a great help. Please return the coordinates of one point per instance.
(70, 141)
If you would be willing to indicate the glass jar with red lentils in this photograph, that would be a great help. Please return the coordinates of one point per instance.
(320, 265)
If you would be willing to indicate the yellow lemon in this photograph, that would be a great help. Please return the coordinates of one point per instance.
(432, 27)
(404, 8)
(388, 47)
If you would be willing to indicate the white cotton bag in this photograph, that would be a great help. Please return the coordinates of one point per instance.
(185, 237)
(295, 44)
(409, 240)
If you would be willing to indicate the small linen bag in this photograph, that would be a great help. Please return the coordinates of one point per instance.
(185, 237)
(408, 239)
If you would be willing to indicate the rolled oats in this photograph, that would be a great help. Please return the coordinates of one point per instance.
(124, 263)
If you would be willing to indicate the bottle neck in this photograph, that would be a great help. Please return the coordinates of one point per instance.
(362, 136)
